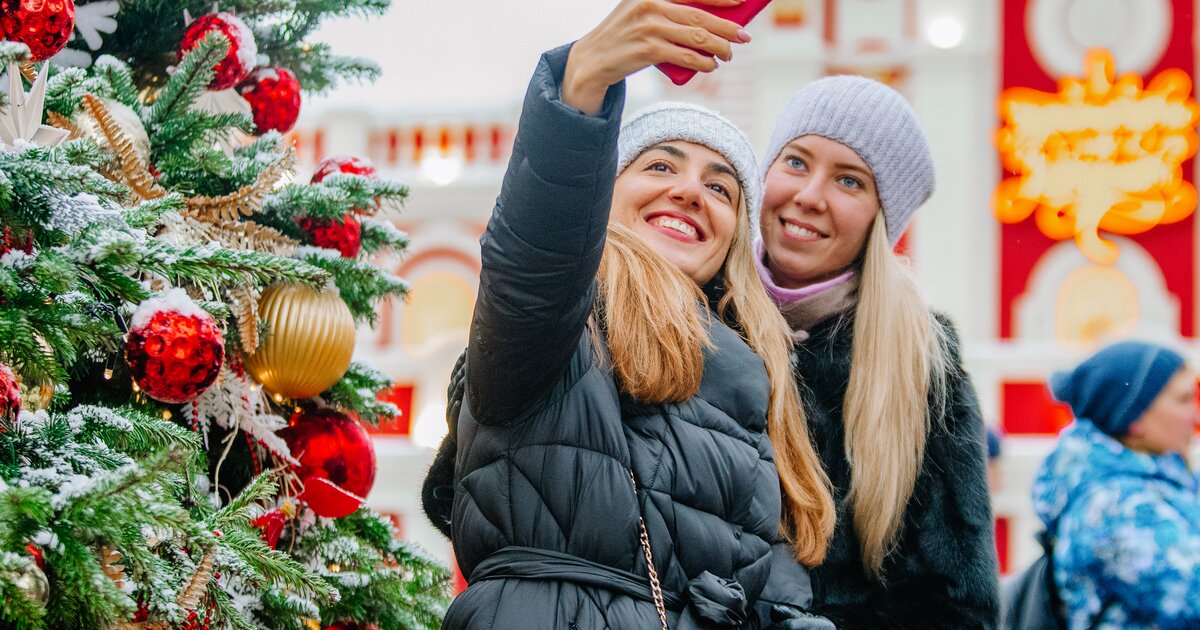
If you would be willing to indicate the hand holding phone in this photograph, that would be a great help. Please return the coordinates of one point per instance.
(742, 14)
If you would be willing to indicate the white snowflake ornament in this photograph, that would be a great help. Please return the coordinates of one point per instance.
(21, 120)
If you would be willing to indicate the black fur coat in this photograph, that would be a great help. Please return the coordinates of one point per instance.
(943, 573)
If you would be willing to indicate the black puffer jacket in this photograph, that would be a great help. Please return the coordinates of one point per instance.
(545, 517)
(943, 573)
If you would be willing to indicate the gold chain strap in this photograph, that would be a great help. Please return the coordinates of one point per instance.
(655, 585)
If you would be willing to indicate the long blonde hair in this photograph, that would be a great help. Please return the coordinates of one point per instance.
(656, 340)
(897, 370)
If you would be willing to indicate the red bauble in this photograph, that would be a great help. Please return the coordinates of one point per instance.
(10, 394)
(43, 25)
(337, 460)
(274, 97)
(271, 524)
(344, 236)
(174, 348)
(242, 54)
(343, 164)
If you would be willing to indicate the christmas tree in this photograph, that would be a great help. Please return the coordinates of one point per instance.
(180, 437)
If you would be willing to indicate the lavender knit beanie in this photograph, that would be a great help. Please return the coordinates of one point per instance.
(878, 124)
(670, 121)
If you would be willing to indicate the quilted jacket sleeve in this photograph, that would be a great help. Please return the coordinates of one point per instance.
(542, 247)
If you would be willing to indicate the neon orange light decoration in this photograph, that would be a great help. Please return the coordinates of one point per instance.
(1098, 155)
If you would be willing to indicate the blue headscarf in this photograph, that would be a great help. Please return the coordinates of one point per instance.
(1113, 387)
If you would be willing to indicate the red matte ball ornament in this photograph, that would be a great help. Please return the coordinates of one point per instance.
(337, 460)
(174, 348)
(10, 394)
(274, 97)
(344, 236)
(241, 57)
(44, 26)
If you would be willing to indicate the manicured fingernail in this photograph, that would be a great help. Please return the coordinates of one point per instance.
(743, 35)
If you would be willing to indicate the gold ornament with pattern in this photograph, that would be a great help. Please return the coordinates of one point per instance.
(308, 344)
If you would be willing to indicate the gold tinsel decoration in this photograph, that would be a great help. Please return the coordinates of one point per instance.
(28, 70)
(246, 200)
(109, 558)
(245, 302)
(240, 235)
(56, 119)
(135, 170)
(310, 342)
(189, 598)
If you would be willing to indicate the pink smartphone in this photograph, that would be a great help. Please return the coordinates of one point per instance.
(742, 14)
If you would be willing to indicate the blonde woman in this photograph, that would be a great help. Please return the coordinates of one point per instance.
(892, 412)
(612, 467)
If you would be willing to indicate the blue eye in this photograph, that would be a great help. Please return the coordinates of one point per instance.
(850, 182)
(796, 162)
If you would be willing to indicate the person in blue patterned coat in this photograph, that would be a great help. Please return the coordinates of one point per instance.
(1118, 495)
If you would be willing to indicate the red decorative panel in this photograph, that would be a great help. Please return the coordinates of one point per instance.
(1022, 245)
(1026, 408)
(1002, 548)
(402, 397)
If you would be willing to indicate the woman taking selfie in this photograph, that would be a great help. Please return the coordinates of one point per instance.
(613, 468)
(889, 407)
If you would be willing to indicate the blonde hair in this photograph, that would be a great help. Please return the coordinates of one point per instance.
(656, 340)
(897, 368)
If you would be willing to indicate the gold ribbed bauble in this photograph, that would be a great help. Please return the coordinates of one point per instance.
(308, 345)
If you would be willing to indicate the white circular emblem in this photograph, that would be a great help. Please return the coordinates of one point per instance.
(1062, 31)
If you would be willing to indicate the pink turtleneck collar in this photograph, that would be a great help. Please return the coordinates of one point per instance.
(783, 296)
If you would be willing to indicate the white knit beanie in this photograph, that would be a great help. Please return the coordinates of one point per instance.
(878, 124)
(670, 121)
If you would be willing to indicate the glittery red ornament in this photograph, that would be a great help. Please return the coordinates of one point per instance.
(274, 97)
(337, 460)
(344, 236)
(174, 348)
(343, 164)
(271, 524)
(242, 54)
(10, 395)
(43, 25)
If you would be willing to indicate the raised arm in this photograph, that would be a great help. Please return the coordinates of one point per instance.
(543, 244)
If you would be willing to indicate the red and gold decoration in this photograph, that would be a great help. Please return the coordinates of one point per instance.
(174, 348)
(44, 26)
(274, 97)
(1108, 152)
(310, 341)
(239, 60)
(1099, 154)
(344, 236)
(337, 460)
(272, 523)
(10, 394)
(18, 239)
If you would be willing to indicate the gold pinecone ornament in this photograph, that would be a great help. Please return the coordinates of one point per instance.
(309, 343)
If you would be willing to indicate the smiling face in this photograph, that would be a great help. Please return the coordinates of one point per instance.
(682, 199)
(1168, 424)
(819, 203)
